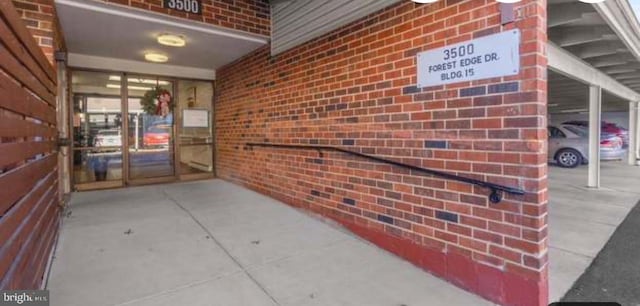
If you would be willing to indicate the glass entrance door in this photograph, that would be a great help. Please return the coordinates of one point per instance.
(97, 131)
(150, 129)
(132, 129)
(194, 112)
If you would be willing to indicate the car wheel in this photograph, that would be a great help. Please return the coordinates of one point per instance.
(568, 158)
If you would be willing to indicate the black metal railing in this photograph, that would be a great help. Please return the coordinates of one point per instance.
(496, 190)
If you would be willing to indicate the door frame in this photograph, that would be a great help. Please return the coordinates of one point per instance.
(95, 185)
(124, 92)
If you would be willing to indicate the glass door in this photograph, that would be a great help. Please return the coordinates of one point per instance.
(97, 131)
(135, 129)
(150, 129)
(194, 111)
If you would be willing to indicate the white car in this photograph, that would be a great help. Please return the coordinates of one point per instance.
(569, 145)
(108, 138)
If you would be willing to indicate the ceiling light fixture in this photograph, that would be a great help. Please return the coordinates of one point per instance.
(139, 81)
(147, 81)
(508, 1)
(172, 40)
(424, 1)
(591, 1)
(117, 86)
(156, 57)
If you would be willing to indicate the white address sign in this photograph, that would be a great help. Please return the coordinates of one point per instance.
(491, 56)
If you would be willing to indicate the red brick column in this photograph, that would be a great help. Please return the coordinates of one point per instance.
(41, 19)
(356, 88)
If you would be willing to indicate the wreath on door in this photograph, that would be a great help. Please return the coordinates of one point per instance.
(151, 101)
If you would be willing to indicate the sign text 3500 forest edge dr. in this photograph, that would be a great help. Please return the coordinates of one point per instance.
(491, 56)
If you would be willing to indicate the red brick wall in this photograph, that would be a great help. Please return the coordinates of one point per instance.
(244, 15)
(355, 88)
(40, 18)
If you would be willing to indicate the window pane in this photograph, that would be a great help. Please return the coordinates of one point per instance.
(196, 132)
(150, 132)
(97, 127)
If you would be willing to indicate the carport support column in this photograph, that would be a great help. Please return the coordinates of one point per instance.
(633, 133)
(637, 133)
(595, 104)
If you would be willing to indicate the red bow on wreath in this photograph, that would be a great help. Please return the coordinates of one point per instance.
(163, 107)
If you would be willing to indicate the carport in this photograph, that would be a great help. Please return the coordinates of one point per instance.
(593, 68)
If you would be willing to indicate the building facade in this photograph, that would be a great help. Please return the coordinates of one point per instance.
(354, 86)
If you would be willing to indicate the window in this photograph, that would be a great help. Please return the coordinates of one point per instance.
(578, 130)
(554, 132)
(196, 140)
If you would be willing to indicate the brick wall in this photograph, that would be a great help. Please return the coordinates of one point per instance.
(355, 88)
(243, 15)
(40, 18)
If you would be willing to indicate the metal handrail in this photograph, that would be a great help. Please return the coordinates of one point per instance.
(496, 190)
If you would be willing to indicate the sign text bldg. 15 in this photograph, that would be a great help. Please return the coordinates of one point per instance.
(491, 56)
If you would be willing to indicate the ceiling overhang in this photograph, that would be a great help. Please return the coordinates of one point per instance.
(595, 44)
(106, 36)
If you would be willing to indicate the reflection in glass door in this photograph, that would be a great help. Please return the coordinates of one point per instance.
(194, 111)
(150, 128)
(97, 131)
(132, 129)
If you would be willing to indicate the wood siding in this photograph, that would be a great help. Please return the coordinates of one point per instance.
(29, 210)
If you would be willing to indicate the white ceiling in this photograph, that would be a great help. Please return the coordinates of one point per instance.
(107, 30)
(566, 94)
(578, 28)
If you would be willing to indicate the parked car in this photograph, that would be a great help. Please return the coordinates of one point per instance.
(108, 138)
(157, 134)
(569, 145)
(605, 127)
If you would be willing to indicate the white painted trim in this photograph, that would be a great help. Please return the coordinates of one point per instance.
(114, 64)
(135, 13)
(637, 146)
(595, 116)
(565, 63)
(633, 133)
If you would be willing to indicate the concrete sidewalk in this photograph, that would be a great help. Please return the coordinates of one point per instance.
(581, 220)
(214, 243)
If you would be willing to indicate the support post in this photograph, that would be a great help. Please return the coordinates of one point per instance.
(595, 103)
(633, 133)
(637, 147)
(62, 122)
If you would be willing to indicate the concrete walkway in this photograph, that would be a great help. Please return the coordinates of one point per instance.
(581, 220)
(214, 243)
(614, 276)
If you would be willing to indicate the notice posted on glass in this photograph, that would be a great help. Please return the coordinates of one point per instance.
(491, 56)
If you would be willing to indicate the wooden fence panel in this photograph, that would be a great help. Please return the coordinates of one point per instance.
(29, 206)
